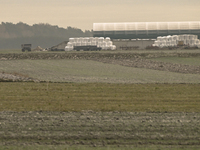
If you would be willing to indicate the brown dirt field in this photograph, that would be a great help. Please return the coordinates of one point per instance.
(99, 128)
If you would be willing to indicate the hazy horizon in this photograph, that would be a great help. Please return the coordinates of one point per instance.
(82, 14)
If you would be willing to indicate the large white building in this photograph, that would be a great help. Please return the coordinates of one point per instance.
(144, 30)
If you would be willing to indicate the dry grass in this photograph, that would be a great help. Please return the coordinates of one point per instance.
(65, 70)
(179, 60)
(99, 97)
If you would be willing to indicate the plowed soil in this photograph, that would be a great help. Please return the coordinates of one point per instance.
(99, 128)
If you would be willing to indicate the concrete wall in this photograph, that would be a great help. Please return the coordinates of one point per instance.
(141, 44)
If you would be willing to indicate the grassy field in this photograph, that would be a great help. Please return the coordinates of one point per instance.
(64, 147)
(64, 70)
(100, 97)
(180, 60)
(85, 115)
(125, 107)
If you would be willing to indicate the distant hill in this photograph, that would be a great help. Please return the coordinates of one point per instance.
(44, 35)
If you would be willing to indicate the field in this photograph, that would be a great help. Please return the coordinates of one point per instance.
(107, 100)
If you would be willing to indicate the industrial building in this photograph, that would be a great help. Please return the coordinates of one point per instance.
(139, 35)
(144, 30)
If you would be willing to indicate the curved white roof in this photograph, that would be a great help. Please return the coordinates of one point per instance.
(146, 26)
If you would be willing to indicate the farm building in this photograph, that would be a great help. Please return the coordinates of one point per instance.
(144, 30)
(136, 35)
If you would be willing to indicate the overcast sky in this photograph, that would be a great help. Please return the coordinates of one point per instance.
(83, 13)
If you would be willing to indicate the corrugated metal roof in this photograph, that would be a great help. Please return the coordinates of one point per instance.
(146, 26)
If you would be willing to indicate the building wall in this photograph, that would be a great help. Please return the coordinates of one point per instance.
(144, 30)
(143, 34)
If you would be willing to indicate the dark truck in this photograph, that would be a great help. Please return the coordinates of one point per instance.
(26, 47)
(87, 48)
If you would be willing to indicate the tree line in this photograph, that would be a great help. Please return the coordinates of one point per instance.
(44, 35)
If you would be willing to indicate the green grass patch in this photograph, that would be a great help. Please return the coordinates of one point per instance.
(180, 60)
(65, 70)
(21, 96)
(4, 51)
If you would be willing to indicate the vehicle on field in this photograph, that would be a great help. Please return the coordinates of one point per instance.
(26, 47)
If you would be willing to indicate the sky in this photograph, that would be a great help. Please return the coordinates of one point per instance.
(83, 13)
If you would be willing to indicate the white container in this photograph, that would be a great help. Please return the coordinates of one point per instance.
(78, 40)
(186, 37)
(87, 39)
(94, 40)
(164, 38)
(113, 47)
(78, 44)
(71, 40)
(89, 43)
(107, 39)
(192, 42)
(90, 39)
(69, 44)
(197, 41)
(93, 43)
(169, 38)
(101, 44)
(159, 38)
(157, 43)
(83, 43)
(81, 39)
(67, 48)
(175, 37)
(105, 47)
(164, 43)
(101, 39)
(75, 39)
(109, 43)
(181, 37)
(188, 41)
(191, 37)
